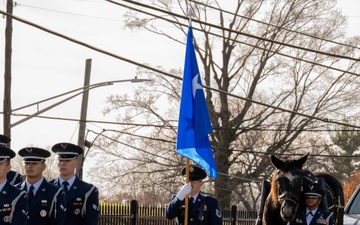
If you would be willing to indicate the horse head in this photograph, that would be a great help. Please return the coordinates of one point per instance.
(287, 185)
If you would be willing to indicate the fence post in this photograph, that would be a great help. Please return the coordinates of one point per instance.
(233, 214)
(133, 210)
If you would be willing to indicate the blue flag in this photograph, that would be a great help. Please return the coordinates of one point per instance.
(194, 121)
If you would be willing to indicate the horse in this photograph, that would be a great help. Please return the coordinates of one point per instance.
(285, 194)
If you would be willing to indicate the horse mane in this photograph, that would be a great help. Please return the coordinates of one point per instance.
(274, 194)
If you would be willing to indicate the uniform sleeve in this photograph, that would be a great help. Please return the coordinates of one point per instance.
(58, 217)
(216, 217)
(91, 216)
(19, 216)
(173, 209)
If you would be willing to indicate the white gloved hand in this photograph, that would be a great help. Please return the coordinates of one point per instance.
(184, 191)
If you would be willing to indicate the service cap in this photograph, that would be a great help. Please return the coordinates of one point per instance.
(195, 173)
(4, 140)
(34, 154)
(5, 152)
(315, 191)
(67, 151)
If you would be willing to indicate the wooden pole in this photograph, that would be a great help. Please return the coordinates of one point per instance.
(83, 115)
(7, 75)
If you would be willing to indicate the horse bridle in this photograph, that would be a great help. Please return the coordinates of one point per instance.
(291, 198)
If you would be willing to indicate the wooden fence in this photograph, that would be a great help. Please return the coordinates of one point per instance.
(133, 214)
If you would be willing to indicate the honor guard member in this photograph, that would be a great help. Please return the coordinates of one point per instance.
(82, 199)
(13, 201)
(313, 215)
(202, 209)
(46, 201)
(12, 176)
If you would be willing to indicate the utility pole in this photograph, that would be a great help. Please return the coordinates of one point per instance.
(7, 74)
(83, 114)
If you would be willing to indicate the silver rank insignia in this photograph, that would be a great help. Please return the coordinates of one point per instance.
(218, 213)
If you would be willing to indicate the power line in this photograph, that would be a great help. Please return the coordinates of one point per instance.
(276, 52)
(63, 12)
(174, 126)
(238, 41)
(269, 24)
(199, 3)
(229, 30)
(222, 149)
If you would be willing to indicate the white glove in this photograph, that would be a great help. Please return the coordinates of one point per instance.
(184, 191)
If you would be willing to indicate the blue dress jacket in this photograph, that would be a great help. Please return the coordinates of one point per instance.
(205, 211)
(13, 205)
(321, 217)
(48, 205)
(82, 203)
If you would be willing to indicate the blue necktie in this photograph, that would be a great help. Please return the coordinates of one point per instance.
(65, 185)
(31, 194)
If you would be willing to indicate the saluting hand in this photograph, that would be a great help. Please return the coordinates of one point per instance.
(184, 191)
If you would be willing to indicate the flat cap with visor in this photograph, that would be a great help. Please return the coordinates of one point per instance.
(34, 154)
(5, 152)
(314, 192)
(67, 151)
(195, 173)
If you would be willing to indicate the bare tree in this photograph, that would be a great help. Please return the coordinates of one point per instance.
(284, 61)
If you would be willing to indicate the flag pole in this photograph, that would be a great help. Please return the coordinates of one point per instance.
(186, 216)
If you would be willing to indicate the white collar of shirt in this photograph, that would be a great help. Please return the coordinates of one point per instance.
(312, 211)
(70, 181)
(194, 197)
(2, 185)
(36, 185)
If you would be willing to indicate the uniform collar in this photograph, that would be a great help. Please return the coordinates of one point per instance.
(36, 185)
(70, 181)
(194, 196)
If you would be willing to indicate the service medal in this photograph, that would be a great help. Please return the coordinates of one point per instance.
(7, 219)
(43, 213)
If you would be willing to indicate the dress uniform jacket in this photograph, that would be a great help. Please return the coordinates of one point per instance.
(14, 177)
(48, 205)
(321, 217)
(13, 205)
(82, 203)
(205, 211)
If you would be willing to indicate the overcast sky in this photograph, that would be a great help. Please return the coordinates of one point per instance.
(45, 65)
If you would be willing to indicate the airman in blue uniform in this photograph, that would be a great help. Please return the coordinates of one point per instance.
(312, 214)
(13, 201)
(12, 176)
(82, 199)
(202, 209)
(46, 201)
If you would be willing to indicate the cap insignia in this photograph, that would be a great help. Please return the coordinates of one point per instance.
(63, 145)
